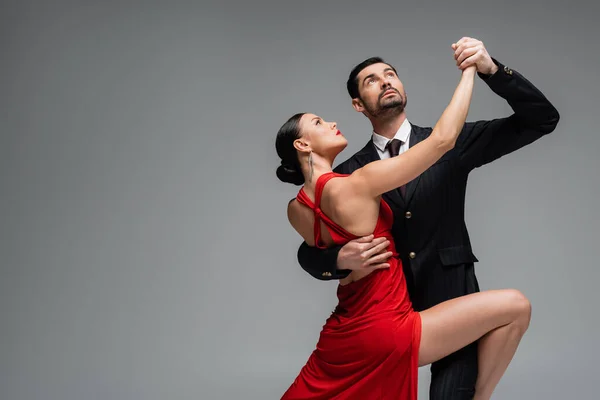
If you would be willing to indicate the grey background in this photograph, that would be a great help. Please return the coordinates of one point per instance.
(144, 248)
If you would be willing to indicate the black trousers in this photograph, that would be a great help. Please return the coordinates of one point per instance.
(453, 377)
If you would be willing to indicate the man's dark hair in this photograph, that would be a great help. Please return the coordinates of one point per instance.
(352, 83)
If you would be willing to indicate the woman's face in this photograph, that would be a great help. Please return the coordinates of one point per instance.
(321, 137)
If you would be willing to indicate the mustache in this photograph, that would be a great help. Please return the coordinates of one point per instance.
(386, 89)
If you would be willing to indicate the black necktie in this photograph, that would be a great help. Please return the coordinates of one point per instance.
(393, 147)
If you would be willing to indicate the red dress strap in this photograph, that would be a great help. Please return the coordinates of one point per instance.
(338, 234)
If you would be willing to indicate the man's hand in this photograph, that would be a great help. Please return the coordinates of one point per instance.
(364, 254)
(469, 51)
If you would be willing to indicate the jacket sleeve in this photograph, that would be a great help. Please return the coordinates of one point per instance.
(534, 116)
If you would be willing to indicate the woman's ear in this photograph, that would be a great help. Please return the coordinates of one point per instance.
(302, 145)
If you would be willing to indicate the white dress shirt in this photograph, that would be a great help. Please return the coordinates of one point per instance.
(403, 135)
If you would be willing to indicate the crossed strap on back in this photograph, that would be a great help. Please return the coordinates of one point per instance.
(336, 231)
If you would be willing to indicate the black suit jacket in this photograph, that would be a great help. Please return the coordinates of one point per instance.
(429, 227)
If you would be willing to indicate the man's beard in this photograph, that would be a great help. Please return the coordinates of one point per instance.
(387, 107)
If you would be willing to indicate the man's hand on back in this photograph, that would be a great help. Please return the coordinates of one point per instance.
(365, 253)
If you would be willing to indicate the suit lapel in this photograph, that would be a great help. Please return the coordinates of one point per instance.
(417, 134)
(369, 154)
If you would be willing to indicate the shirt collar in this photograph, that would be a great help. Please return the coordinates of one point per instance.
(402, 134)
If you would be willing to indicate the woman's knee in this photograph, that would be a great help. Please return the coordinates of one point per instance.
(521, 306)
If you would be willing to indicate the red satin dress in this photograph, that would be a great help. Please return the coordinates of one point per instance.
(369, 346)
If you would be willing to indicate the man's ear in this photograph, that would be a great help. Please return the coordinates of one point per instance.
(358, 105)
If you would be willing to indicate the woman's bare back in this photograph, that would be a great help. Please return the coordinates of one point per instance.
(352, 210)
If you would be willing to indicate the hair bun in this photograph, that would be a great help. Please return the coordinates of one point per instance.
(290, 174)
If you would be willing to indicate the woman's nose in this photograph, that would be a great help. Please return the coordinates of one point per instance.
(333, 125)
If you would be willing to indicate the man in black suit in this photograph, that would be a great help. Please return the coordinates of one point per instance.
(429, 228)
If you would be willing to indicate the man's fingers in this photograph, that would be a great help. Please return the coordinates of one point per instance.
(378, 258)
(364, 247)
(465, 46)
(461, 41)
(378, 266)
(468, 52)
(364, 239)
(466, 42)
(375, 250)
(461, 49)
(472, 60)
(382, 265)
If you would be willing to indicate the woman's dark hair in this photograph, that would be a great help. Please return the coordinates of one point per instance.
(289, 170)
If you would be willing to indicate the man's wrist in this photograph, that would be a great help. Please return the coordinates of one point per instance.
(493, 70)
(339, 271)
(491, 73)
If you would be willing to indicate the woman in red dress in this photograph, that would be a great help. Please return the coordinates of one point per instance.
(373, 343)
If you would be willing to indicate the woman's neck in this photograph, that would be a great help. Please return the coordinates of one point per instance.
(312, 171)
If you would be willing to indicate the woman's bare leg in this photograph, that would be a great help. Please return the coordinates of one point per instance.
(499, 317)
(496, 350)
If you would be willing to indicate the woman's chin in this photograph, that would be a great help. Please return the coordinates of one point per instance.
(338, 149)
(342, 146)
